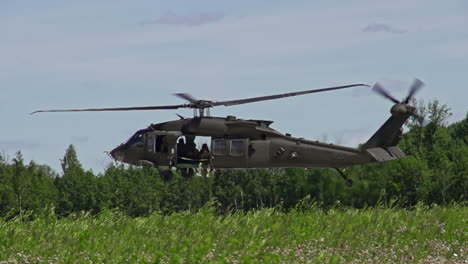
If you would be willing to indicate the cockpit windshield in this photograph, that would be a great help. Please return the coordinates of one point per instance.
(137, 137)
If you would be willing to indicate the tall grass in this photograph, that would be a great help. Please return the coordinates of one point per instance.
(435, 234)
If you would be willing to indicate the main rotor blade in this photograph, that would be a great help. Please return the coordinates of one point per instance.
(380, 90)
(415, 87)
(186, 96)
(163, 107)
(278, 96)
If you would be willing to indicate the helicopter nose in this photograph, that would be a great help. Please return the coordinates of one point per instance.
(118, 154)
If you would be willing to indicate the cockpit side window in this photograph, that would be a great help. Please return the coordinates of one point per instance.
(150, 142)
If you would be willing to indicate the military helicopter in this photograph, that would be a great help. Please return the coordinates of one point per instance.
(240, 144)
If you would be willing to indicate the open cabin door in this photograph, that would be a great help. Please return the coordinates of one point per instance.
(161, 147)
(229, 153)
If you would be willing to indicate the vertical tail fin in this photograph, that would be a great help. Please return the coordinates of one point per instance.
(389, 134)
(382, 145)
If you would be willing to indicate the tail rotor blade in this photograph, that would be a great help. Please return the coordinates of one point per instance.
(415, 87)
(380, 90)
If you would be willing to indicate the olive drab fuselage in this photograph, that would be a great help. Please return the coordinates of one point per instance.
(237, 143)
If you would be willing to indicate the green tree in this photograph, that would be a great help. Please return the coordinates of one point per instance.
(21, 181)
(77, 188)
(7, 194)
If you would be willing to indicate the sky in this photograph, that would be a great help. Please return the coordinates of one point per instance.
(81, 54)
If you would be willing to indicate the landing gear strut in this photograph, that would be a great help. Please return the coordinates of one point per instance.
(187, 173)
(348, 181)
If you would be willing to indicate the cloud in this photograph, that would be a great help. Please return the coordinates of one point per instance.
(381, 27)
(194, 19)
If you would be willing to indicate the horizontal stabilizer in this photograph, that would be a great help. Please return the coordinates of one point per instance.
(386, 154)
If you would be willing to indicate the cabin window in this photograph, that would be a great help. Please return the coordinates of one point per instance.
(219, 147)
(150, 143)
(237, 147)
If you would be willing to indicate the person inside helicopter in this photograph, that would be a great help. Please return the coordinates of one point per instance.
(181, 147)
(191, 148)
(204, 152)
(187, 151)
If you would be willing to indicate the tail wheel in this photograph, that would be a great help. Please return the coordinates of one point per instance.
(167, 175)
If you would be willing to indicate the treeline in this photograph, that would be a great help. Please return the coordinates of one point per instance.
(436, 172)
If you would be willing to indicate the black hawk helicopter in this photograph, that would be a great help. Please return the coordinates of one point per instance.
(238, 143)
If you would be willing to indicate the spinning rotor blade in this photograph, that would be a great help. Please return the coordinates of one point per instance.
(186, 96)
(202, 104)
(163, 107)
(380, 90)
(415, 87)
(278, 96)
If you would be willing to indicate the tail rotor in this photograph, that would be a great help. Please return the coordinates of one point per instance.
(414, 88)
(390, 133)
(401, 106)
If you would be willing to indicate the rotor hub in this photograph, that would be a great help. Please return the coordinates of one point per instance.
(202, 104)
(398, 109)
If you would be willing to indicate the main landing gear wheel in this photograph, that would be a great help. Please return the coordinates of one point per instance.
(166, 175)
(187, 173)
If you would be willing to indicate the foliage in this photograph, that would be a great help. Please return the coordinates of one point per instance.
(310, 235)
(25, 187)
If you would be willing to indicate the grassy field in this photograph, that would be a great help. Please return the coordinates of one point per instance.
(423, 235)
